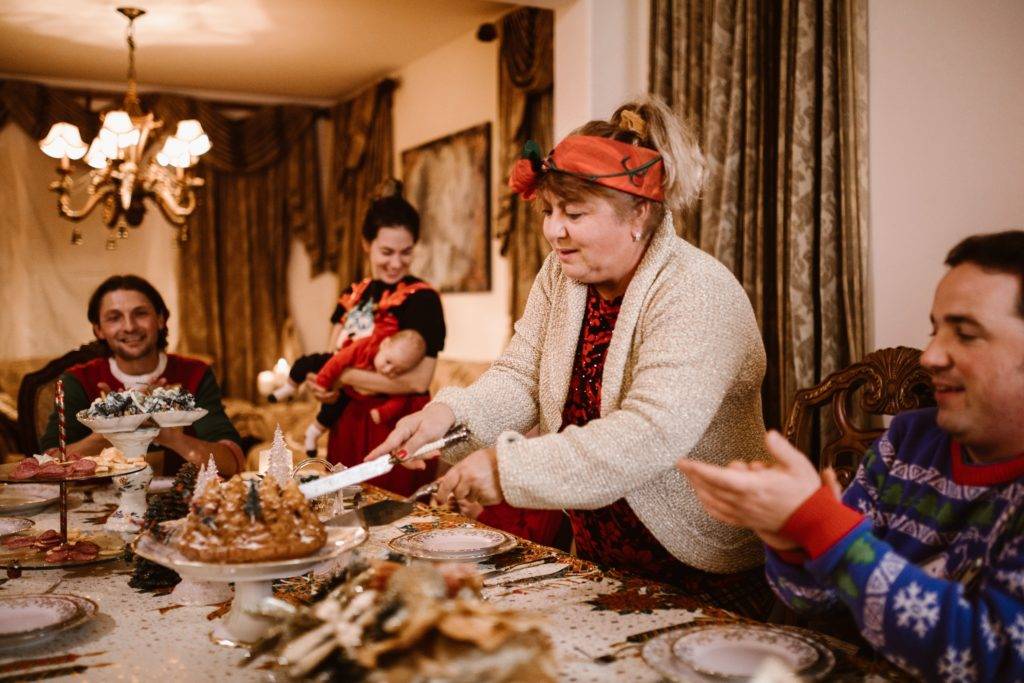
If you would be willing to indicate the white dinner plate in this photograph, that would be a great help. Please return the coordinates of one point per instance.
(31, 619)
(735, 652)
(459, 543)
(26, 499)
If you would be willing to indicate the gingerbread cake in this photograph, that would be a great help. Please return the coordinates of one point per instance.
(250, 521)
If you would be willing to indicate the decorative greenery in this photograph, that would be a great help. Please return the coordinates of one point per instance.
(149, 576)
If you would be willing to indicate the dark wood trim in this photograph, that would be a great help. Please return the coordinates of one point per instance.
(31, 383)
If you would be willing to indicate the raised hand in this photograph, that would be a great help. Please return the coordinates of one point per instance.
(755, 496)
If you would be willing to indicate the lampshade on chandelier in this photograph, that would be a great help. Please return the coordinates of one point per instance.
(126, 169)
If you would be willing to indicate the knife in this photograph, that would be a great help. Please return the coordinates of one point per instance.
(375, 468)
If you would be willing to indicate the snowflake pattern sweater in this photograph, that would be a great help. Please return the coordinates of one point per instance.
(925, 549)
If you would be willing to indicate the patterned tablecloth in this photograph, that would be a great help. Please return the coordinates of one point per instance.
(596, 620)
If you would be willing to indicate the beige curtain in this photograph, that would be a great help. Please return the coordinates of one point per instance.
(362, 157)
(778, 92)
(525, 112)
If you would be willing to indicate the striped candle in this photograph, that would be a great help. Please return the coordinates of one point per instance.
(61, 434)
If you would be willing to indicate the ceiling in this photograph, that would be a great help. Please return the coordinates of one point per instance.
(298, 49)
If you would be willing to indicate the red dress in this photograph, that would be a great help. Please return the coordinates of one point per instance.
(355, 434)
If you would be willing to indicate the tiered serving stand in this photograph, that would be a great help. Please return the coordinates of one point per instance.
(129, 436)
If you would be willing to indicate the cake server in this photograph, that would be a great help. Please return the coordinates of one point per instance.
(386, 511)
(375, 468)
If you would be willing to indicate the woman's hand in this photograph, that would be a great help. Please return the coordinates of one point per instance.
(415, 430)
(319, 393)
(474, 480)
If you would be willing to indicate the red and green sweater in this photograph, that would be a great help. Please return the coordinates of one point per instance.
(81, 389)
(925, 549)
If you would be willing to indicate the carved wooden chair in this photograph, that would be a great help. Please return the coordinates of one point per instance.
(36, 392)
(885, 382)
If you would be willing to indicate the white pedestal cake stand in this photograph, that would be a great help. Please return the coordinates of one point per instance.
(131, 509)
(253, 580)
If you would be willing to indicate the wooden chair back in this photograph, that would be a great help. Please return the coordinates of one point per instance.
(37, 389)
(886, 382)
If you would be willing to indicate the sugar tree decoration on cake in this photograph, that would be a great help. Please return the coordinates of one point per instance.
(166, 506)
(279, 459)
(207, 476)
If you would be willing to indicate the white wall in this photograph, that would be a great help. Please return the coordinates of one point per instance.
(601, 57)
(946, 118)
(450, 89)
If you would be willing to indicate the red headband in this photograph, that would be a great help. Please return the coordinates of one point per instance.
(618, 165)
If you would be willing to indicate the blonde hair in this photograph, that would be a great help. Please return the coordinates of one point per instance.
(646, 122)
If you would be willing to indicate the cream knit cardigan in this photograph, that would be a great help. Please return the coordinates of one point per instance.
(682, 378)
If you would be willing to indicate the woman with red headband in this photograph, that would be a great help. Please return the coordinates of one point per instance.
(635, 348)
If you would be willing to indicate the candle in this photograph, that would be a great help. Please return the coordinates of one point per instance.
(281, 369)
(61, 433)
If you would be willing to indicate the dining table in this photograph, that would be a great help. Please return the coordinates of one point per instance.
(598, 620)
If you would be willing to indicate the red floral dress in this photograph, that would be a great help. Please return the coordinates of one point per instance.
(613, 536)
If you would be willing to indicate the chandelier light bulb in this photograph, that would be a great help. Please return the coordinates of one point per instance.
(191, 132)
(118, 122)
(63, 140)
(174, 153)
(95, 156)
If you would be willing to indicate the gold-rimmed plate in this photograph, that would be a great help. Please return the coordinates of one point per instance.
(468, 544)
(34, 618)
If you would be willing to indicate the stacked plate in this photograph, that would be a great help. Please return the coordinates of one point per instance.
(459, 544)
(12, 525)
(32, 619)
(26, 499)
(735, 652)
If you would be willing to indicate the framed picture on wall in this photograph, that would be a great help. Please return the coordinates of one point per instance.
(449, 182)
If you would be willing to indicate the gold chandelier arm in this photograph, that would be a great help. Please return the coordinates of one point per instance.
(176, 213)
(64, 201)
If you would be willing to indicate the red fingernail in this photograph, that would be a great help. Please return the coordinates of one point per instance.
(401, 454)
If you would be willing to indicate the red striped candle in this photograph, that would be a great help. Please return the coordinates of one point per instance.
(61, 434)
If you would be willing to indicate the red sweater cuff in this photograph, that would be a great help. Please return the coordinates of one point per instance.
(820, 522)
(790, 556)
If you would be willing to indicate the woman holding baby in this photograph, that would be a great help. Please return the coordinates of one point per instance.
(389, 329)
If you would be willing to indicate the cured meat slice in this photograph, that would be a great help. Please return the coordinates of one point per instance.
(81, 467)
(26, 469)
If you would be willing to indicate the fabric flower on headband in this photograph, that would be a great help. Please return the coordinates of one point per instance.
(526, 171)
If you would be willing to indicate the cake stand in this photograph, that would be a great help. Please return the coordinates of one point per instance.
(253, 581)
(132, 487)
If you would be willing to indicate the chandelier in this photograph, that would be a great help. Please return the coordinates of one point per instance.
(124, 171)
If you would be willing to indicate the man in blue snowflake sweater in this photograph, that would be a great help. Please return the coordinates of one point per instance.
(926, 546)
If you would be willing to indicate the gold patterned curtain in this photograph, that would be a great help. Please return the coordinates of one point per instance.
(525, 112)
(362, 157)
(778, 91)
(262, 191)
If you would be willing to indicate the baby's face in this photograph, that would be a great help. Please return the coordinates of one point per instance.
(393, 358)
